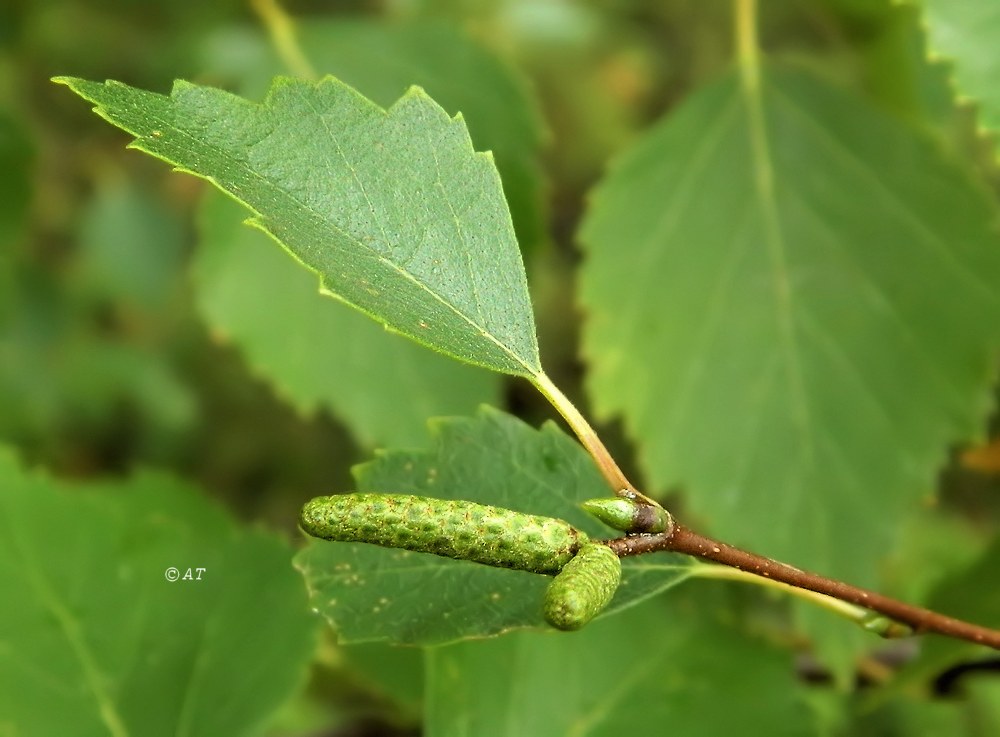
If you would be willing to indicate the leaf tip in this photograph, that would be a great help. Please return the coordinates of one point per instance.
(180, 86)
(74, 83)
(415, 90)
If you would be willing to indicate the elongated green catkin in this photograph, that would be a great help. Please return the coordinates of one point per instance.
(455, 529)
(584, 587)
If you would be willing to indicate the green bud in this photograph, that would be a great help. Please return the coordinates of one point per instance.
(454, 529)
(584, 587)
(629, 515)
(884, 626)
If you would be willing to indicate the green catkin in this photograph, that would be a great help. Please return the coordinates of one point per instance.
(584, 587)
(454, 529)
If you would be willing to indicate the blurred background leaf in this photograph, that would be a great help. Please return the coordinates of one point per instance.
(588, 684)
(16, 160)
(826, 321)
(965, 33)
(102, 641)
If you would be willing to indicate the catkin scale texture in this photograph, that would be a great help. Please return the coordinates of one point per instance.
(454, 529)
(584, 587)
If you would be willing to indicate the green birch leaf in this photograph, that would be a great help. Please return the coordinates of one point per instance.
(316, 352)
(393, 209)
(370, 593)
(792, 300)
(658, 669)
(967, 32)
(101, 641)
(382, 60)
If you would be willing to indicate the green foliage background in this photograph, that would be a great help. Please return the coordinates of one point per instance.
(782, 301)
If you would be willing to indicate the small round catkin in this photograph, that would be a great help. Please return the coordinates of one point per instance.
(455, 529)
(584, 587)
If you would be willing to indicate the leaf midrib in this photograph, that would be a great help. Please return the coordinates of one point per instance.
(751, 82)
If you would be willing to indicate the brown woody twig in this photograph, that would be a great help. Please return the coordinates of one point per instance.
(679, 539)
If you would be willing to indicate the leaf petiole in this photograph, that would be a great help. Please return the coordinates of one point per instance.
(589, 438)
